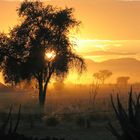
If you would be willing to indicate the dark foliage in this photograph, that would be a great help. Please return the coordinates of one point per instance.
(12, 134)
(52, 121)
(129, 120)
(43, 29)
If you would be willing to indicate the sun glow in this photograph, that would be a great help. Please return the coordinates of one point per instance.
(50, 55)
(100, 50)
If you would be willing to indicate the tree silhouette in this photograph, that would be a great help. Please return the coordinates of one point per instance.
(102, 75)
(39, 47)
(123, 80)
(99, 79)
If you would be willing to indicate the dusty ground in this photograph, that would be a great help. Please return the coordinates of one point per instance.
(69, 130)
(60, 104)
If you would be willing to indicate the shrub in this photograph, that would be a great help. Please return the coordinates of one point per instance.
(52, 121)
(129, 119)
(83, 121)
(80, 121)
(67, 117)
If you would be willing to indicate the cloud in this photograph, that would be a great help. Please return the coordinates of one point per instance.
(97, 53)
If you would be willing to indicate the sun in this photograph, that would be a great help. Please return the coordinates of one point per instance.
(50, 55)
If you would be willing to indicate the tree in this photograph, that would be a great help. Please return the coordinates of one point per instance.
(102, 75)
(123, 80)
(99, 79)
(39, 47)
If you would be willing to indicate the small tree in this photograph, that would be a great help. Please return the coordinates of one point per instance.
(123, 80)
(102, 75)
(39, 47)
(99, 79)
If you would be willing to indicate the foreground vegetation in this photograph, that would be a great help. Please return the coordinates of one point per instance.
(69, 118)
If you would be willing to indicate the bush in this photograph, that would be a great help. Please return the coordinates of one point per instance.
(52, 121)
(67, 117)
(83, 121)
(80, 121)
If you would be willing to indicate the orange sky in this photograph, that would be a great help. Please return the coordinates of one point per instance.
(107, 25)
(102, 19)
(110, 28)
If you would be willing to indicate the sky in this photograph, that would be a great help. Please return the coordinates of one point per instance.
(110, 29)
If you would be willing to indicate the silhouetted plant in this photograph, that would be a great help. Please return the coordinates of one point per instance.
(31, 121)
(88, 123)
(129, 120)
(83, 121)
(12, 134)
(52, 121)
(99, 79)
(6, 133)
(80, 121)
(39, 47)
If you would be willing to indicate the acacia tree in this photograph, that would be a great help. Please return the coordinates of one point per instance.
(99, 79)
(39, 47)
(102, 75)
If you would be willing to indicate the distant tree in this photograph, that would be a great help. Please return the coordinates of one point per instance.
(102, 75)
(99, 79)
(39, 47)
(123, 80)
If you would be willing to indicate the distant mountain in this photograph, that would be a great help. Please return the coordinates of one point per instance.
(124, 61)
(120, 67)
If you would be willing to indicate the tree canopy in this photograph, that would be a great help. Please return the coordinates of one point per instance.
(102, 75)
(42, 29)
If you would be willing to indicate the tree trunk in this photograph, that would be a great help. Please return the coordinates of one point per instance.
(42, 91)
(42, 97)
